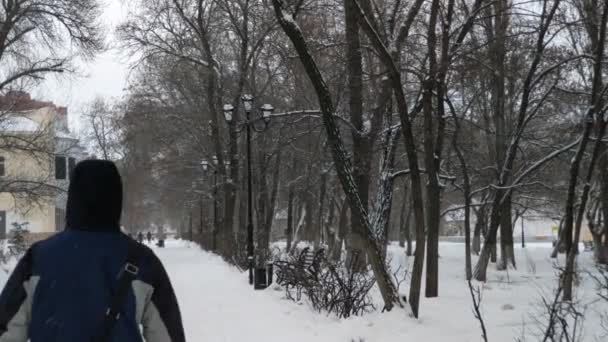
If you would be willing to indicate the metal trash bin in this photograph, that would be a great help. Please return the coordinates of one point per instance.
(259, 282)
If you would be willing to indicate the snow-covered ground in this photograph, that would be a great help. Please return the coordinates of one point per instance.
(218, 304)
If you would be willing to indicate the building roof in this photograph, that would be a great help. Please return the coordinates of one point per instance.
(22, 101)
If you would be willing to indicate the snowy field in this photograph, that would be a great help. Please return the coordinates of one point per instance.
(218, 304)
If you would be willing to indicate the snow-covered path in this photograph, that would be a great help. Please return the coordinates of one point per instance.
(218, 304)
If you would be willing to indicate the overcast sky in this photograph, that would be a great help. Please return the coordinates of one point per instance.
(105, 76)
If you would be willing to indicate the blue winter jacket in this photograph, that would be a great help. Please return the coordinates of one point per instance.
(62, 287)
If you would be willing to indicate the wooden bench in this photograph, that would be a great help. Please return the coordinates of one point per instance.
(300, 271)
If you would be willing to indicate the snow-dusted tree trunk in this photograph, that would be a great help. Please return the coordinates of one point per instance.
(343, 165)
(596, 30)
(388, 59)
(382, 207)
(298, 231)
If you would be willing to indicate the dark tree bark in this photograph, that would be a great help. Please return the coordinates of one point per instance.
(498, 56)
(321, 225)
(476, 246)
(507, 249)
(290, 207)
(361, 145)
(595, 113)
(430, 158)
(403, 229)
(289, 233)
(602, 248)
(309, 223)
(384, 201)
(387, 288)
(388, 60)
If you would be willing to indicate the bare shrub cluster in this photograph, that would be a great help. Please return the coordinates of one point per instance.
(329, 286)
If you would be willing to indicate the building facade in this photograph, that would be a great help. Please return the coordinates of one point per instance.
(37, 152)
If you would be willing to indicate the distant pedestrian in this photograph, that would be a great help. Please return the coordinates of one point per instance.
(90, 282)
(149, 236)
(140, 237)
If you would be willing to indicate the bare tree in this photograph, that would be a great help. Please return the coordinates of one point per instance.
(343, 165)
(596, 30)
(103, 129)
(35, 34)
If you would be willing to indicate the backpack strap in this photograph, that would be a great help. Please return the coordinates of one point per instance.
(126, 277)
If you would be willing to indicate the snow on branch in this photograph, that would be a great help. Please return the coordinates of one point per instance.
(536, 166)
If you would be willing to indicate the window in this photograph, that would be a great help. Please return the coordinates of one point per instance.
(2, 167)
(60, 167)
(71, 164)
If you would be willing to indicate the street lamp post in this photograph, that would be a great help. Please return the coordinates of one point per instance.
(265, 111)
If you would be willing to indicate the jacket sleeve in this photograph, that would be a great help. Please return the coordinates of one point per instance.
(15, 302)
(162, 320)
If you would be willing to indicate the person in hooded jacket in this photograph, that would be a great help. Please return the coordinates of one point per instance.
(62, 288)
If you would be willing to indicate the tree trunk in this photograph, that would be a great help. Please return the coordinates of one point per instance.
(602, 248)
(494, 252)
(270, 197)
(597, 37)
(480, 217)
(403, 229)
(407, 232)
(289, 233)
(568, 275)
(507, 251)
(388, 59)
(342, 231)
(320, 223)
(361, 157)
(297, 235)
(433, 190)
(467, 198)
(384, 199)
(308, 234)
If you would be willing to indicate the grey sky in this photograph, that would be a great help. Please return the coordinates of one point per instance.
(105, 76)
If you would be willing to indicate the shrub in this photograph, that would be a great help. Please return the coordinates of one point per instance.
(18, 238)
(333, 287)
